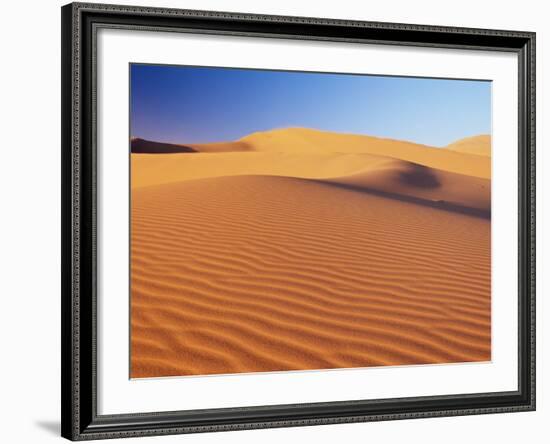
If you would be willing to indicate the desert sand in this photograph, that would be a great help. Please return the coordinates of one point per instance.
(298, 249)
(480, 145)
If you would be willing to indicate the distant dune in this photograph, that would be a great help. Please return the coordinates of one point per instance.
(309, 141)
(299, 249)
(142, 146)
(480, 145)
(222, 147)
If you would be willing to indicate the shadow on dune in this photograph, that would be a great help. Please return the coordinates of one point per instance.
(439, 204)
(419, 176)
(142, 146)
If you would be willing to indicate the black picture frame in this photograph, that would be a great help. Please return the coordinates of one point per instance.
(80, 420)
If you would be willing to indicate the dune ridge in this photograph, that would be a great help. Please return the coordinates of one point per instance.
(268, 259)
(478, 145)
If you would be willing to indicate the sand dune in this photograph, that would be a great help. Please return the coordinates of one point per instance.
(150, 170)
(314, 277)
(298, 152)
(304, 140)
(142, 146)
(428, 186)
(361, 171)
(479, 145)
(298, 249)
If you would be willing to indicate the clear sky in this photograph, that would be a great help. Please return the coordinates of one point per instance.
(184, 104)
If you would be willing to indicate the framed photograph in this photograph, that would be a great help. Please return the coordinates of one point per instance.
(283, 221)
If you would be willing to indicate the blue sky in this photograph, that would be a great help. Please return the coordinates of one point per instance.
(184, 104)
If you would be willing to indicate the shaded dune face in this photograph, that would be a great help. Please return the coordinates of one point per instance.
(418, 176)
(143, 146)
(258, 261)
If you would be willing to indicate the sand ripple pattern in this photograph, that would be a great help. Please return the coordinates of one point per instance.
(263, 273)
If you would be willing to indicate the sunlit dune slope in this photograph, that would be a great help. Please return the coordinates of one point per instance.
(254, 273)
(155, 169)
(480, 145)
(222, 147)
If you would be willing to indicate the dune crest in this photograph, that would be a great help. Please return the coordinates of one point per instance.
(478, 145)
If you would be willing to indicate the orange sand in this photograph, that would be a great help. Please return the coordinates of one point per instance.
(304, 249)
